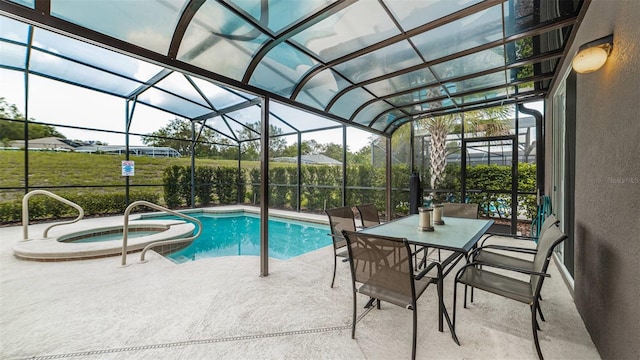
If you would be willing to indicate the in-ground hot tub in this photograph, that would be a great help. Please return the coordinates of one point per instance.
(84, 243)
(111, 234)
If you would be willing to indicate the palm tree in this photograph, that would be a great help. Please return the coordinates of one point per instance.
(439, 127)
(489, 122)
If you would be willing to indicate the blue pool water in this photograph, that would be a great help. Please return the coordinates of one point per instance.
(239, 234)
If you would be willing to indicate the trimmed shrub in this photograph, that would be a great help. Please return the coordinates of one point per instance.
(254, 177)
(226, 184)
(278, 178)
(185, 184)
(204, 184)
(171, 186)
(242, 187)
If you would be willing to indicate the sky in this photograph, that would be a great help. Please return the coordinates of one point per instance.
(60, 103)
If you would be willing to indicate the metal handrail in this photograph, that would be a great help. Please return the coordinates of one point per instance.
(25, 212)
(125, 229)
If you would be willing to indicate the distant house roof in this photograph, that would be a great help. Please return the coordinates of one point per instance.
(48, 143)
(59, 144)
(154, 151)
(317, 159)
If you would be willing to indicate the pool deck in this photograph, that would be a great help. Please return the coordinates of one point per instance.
(222, 308)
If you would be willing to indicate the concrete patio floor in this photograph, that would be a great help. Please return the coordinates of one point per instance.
(221, 308)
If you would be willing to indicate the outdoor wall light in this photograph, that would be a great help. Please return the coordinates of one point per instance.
(592, 55)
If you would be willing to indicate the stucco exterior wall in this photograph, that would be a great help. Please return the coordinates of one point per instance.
(607, 187)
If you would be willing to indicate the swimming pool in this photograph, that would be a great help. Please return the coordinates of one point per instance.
(234, 234)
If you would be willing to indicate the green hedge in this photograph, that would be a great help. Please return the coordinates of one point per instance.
(212, 184)
(494, 177)
(43, 207)
(321, 187)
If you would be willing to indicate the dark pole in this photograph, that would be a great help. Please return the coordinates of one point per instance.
(388, 184)
(344, 165)
(264, 188)
(299, 187)
(240, 200)
(539, 145)
(126, 151)
(193, 164)
(26, 113)
(463, 169)
(412, 164)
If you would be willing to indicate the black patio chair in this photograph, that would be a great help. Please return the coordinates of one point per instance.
(368, 215)
(481, 255)
(387, 277)
(461, 210)
(547, 223)
(340, 218)
(527, 292)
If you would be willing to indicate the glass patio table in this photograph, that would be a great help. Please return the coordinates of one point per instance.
(458, 235)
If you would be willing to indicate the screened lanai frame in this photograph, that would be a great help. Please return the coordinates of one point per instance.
(371, 64)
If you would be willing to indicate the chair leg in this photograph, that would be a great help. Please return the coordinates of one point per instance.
(335, 264)
(540, 312)
(465, 297)
(445, 314)
(534, 325)
(353, 325)
(455, 303)
(415, 328)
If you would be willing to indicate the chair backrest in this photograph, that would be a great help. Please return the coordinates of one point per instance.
(550, 221)
(461, 210)
(373, 265)
(368, 215)
(340, 218)
(544, 210)
(547, 242)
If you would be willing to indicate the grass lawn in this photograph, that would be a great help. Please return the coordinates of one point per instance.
(80, 169)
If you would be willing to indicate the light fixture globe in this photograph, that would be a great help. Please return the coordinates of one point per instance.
(590, 60)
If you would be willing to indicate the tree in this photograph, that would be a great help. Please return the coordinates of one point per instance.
(229, 152)
(177, 135)
(251, 149)
(333, 151)
(439, 127)
(489, 122)
(14, 130)
(306, 148)
(360, 157)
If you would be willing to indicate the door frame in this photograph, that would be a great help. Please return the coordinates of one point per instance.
(514, 172)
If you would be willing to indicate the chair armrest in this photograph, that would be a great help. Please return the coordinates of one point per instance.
(503, 267)
(504, 248)
(427, 269)
(513, 237)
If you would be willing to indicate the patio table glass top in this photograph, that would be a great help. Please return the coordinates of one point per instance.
(458, 234)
